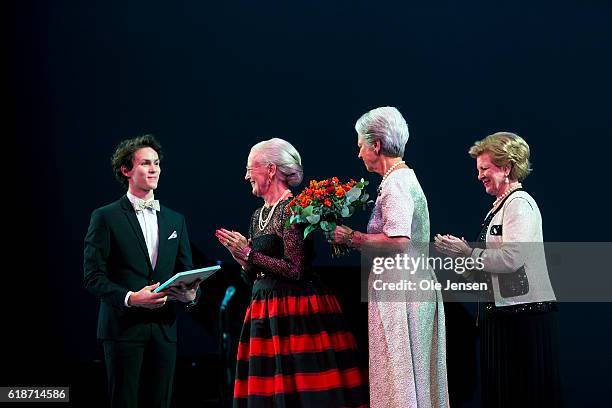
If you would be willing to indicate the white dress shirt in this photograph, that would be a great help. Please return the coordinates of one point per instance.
(147, 219)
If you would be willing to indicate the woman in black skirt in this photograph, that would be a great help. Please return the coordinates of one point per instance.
(519, 344)
(295, 349)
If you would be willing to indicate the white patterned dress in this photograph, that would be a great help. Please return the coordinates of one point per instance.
(407, 340)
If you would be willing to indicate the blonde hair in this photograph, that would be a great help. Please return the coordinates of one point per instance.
(505, 149)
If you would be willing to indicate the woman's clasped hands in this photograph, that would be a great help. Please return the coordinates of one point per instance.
(236, 243)
(452, 246)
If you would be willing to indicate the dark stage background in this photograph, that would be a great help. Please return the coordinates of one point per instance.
(212, 78)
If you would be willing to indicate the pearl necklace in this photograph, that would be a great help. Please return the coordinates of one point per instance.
(501, 197)
(380, 186)
(263, 223)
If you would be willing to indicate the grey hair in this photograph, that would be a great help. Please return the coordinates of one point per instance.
(387, 125)
(286, 158)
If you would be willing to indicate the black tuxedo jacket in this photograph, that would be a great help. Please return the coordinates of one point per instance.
(117, 261)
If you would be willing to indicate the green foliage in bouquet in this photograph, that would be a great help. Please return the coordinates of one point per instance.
(323, 204)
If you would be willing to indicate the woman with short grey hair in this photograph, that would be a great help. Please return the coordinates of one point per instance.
(407, 345)
(386, 125)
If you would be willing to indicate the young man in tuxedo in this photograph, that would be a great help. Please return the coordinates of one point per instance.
(131, 246)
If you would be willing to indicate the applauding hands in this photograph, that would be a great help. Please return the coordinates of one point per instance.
(452, 246)
(236, 244)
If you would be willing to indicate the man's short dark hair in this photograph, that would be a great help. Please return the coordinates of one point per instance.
(124, 155)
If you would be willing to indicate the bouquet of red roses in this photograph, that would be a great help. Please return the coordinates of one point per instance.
(323, 204)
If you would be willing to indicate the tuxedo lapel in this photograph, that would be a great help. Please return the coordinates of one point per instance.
(131, 216)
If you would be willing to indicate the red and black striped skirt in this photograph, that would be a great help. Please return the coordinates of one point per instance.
(296, 350)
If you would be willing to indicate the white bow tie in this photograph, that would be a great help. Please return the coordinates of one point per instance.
(140, 205)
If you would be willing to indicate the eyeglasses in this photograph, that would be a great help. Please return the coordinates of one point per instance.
(250, 169)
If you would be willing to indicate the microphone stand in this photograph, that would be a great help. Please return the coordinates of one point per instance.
(225, 349)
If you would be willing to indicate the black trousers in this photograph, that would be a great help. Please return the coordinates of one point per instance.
(140, 373)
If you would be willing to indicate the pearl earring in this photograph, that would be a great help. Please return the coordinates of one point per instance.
(507, 181)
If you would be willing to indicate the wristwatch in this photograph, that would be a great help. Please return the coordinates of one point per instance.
(349, 241)
(194, 302)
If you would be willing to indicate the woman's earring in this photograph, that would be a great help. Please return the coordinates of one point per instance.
(507, 181)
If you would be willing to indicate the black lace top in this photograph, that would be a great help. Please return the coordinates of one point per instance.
(277, 250)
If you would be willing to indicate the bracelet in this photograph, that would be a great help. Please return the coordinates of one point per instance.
(245, 252)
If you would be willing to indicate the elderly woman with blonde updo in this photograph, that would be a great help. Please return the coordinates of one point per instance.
(295, 349)
(519, 366)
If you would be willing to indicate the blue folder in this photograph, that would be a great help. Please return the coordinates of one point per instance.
(188, 277)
